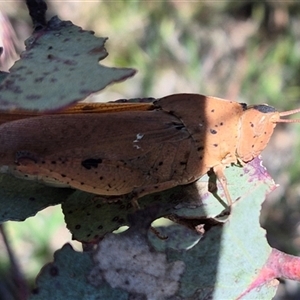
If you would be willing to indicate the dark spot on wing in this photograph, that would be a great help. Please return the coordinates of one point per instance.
(91, 163)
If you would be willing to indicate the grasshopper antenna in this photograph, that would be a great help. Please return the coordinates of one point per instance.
(288, 113)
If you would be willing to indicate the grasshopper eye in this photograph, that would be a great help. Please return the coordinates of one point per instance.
(264, 108)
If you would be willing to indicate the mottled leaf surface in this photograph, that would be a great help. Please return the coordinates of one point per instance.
(21, 199)
(230, 256)
(66, 278)
(220, 265)
(230, 260)
(90, 217)
(3, 76)
(59, 67)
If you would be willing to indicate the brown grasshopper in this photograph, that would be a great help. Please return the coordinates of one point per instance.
(118, 149)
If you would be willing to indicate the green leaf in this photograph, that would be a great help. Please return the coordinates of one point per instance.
(59, 67)
(66, 278)
(223, 264)
(126, 261)
(229, 258)
(89, 218)
(21, 199)
(3, 75)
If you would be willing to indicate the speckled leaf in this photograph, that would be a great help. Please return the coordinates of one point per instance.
(126, 261)
(221, 265)
(90, 217)
(225, 263)
(21, 199)
(59, 67)
(66, 278)
(3, 75)
(186, 202)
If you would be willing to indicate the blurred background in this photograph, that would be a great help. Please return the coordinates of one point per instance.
(246, 51)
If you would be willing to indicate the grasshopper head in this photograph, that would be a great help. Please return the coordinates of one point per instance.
(256, 127)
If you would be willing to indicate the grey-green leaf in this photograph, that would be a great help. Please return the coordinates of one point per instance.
(3, 75)
(20, 199)
(66, 279)
(59, 67)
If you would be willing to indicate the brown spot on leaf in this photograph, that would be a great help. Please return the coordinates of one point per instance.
(33, 97)
(84, 92)
(53, 271)
(70, 62)
(97, 50)
(35, 291)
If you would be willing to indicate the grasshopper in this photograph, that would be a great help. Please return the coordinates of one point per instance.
(136, 148)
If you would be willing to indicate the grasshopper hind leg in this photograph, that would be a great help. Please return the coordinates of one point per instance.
(219, 171)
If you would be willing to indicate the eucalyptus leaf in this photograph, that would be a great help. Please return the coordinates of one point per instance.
(59, 67)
